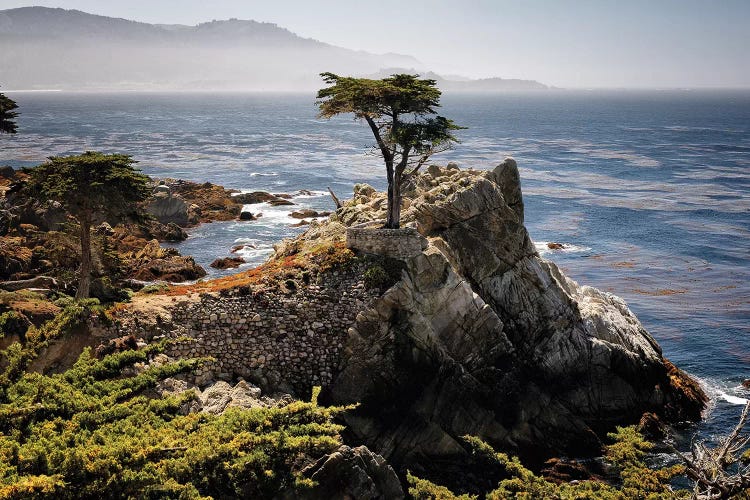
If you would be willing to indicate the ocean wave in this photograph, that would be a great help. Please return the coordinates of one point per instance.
(721, 390)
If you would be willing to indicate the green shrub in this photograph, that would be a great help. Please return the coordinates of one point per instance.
(92, 432)
(375, 277)
(155, 288)
(13, 323)
(626, 454)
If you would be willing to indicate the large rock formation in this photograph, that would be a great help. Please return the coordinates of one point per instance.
(470, 332)
(484, 337)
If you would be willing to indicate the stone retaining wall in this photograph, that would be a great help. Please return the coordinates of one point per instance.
(279, 340)
(401, 244)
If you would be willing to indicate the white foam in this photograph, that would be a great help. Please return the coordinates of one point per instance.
(720, 390)
(732, 399)
(313, 194)
(543, 249)
(271, 215)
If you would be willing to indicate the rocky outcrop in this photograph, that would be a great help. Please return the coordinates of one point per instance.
(168, 209)
(154, 262)
(306, 213)
(262, 197)
(352, 473)
(205, 202)
(484, 337)
(227, 262)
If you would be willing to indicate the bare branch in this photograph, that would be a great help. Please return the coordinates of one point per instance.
(716, 471)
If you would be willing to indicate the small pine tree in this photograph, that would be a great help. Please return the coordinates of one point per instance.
(92, 187)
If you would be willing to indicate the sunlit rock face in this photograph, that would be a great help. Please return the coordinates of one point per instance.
(484, 337)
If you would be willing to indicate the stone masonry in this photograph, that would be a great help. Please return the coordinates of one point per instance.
(280, 339)
(401, 243)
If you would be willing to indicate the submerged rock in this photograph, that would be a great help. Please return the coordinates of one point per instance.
(246, 215)
(305, 213)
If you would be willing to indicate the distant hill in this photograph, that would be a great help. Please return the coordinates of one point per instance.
(463, 84)
(44, 48)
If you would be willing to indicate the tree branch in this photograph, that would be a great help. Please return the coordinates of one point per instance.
(381, 144)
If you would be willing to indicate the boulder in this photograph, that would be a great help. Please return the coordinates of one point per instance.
(48, 216)
(277, 202)
(220, 396)
(173, 232)
(175, 269)
(238, 248)
(363, 190)
(7, 220)
(507, 177)
(435, 171)
(166, 208)
(305, 213)
(253, 198)
(7, 172)
(227, 262)
(246, 215)
(652, 427)
(154, 262)
(105, 229)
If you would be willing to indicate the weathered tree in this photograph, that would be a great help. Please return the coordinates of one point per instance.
(400, 111)
(93, 187)
(722, 471)
(7, 115)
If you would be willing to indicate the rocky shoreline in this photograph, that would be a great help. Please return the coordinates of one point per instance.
(38, 240)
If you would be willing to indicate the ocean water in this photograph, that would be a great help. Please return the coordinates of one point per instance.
(650, 191)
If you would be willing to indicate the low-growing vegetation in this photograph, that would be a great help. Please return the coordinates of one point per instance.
(92, 431)
(719, 472)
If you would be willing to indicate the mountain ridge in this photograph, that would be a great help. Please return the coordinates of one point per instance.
(55, 48)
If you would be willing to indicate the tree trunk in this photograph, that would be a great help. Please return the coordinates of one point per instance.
(391, 215)
(394, 203)
(84, 284)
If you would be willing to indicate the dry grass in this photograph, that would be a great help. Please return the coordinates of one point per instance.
(321, 258)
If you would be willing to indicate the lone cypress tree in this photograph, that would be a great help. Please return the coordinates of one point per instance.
(92, 187)
(7, 115)
(400, 111)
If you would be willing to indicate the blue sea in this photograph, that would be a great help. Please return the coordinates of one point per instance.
(650, 191)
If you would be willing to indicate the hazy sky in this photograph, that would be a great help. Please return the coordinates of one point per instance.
(585, 43)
